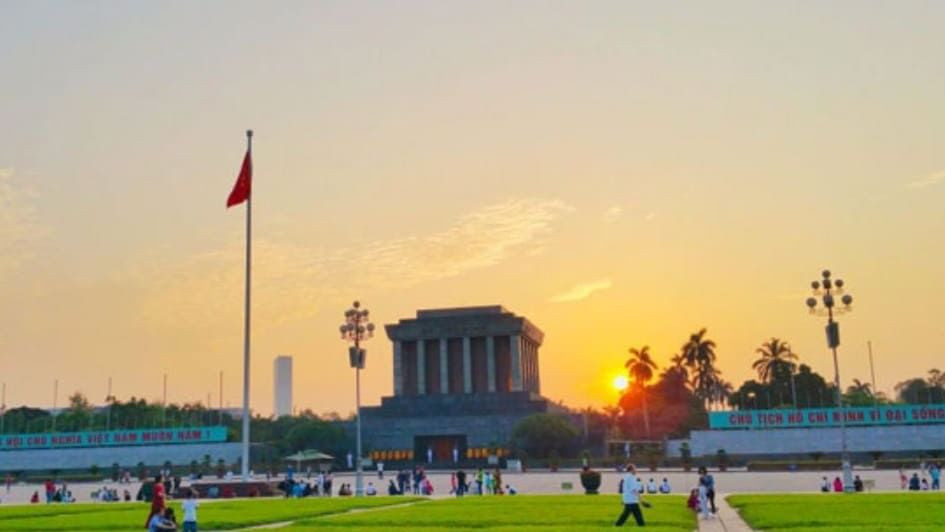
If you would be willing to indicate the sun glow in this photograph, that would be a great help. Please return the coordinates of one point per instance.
(620, 383)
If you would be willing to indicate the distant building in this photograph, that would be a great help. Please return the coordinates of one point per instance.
(282, 386)
(463, 377)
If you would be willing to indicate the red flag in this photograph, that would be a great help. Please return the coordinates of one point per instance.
(244, 183)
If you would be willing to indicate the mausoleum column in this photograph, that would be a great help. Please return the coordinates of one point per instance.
(444, 368)
(516, 357)
(490, 362)
(467, 365)
(398, 368)
(421, 367)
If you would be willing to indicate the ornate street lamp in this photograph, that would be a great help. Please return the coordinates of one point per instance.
(356, 329)
(824, 303)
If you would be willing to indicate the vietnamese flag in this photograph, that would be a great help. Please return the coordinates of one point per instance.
(244, 183)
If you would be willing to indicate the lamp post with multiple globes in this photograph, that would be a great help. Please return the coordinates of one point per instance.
(824, 302)
(356, 329)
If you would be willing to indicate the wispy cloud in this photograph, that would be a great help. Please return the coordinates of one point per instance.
(928, 180)
(649, 216)
(581, 291)
(612, 214)
(291, 281)
(18, 226)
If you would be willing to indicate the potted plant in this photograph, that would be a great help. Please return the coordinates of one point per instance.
(685, 453)
(722, 460)
(590, 479)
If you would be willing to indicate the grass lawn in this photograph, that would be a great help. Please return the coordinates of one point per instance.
(552, 512)
(212, 515)
(519, 512)
(859, 512)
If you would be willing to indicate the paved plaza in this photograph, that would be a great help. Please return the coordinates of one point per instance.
(544, 482)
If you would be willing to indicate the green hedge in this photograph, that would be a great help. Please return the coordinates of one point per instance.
(794, 465)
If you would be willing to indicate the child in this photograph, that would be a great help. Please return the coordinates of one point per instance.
(693, 502)
(703, 501)
(190, 511)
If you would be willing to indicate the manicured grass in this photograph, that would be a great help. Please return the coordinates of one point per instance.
(519, 512)
(212, 515)
(860, 512)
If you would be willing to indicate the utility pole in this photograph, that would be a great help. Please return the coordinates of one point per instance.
(869, 347)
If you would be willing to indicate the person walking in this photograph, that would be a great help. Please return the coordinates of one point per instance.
(709, 481)
(631, 497)
(158, 500)
(460, 483)
(189, 505)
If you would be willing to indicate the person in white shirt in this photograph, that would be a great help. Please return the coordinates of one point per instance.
(190, 512)
(371, 490)
(631, 496)
(651, 486)
(664, 487)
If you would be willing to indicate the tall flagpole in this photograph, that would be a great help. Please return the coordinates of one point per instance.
(249, 229)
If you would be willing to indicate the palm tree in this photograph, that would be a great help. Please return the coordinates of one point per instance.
(861, 387)
(698, 354)
(936, 378)
(698, 350)
(640, 366)
(776, 360)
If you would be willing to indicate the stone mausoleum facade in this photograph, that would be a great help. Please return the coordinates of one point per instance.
(463, 377)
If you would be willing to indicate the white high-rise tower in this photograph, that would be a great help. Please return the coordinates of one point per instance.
(282, 386)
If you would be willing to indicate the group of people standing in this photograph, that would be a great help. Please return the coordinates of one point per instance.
(931, 471)
(415, 482)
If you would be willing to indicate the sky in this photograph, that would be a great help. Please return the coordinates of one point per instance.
(621, 173)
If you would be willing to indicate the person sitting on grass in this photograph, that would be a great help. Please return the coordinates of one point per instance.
(510, 490)
(651, 486)
(857, 484)
(664, 487)
(371, 490)
(163, 521)
(837, 485)
(825, 485)
(914, 482)
(392, 488)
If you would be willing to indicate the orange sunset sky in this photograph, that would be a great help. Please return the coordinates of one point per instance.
(621, 173)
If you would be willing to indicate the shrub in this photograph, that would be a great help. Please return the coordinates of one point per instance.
(722, 457)
(685, 454)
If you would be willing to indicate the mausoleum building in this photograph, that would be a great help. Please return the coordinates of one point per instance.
(462, 379)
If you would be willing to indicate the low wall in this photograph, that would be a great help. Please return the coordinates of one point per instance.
(895, 438)
(126, 457)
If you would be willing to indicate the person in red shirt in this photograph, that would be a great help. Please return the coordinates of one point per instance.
(158, 501)
(50, 490)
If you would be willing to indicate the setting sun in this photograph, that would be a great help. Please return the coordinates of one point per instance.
(620, 383)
